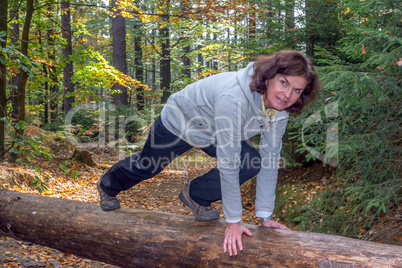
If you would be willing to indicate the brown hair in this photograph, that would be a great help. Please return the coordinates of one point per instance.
(291, 63)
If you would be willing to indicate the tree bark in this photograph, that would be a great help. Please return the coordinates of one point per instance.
(133, 238)
(309, 29)
(15, 31)
(50, 109)
(165, 71)
(119, 52)
(3, 72)
(252, 28)
(185, 59)
(52, 96)
(23, 77)
(269, 21)
(290, 14)
(200, 59)
(68, 70)
(139, 67)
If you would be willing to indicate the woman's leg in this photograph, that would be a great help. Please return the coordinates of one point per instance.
(159, 151)
(207, 188)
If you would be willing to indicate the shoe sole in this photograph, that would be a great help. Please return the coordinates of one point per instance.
(188, 204)
(108, 208)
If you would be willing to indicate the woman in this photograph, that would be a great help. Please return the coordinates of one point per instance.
(219, 114)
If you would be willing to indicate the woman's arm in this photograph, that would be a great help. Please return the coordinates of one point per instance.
(270, 147)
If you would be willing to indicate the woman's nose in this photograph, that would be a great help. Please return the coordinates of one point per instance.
(287, 92)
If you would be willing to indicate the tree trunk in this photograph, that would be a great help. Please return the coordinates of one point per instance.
(53, 100)
(309, 30)
(290, 14)
(165, 72)
(68, 70)
(185, 59)
(119, 52)
(50, 101)
(3, 73)
(15, 31)
(252, 29)
(134, 238)
(200, 59)
(44, 98)
(269, 21)
(139, 67)
(214, 59)
(23, 77)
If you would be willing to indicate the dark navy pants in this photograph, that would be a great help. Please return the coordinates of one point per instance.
(160, 149)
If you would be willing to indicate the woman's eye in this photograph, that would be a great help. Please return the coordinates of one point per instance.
(298, 91)
(283, 83)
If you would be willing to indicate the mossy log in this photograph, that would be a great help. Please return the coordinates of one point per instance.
(134, 238)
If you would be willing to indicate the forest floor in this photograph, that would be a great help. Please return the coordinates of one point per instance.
(157, 194)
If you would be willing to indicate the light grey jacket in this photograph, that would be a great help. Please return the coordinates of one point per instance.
(221, 109)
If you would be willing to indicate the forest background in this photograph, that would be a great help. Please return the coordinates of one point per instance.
(88, 72)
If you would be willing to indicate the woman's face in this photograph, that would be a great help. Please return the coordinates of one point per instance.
(283, 91)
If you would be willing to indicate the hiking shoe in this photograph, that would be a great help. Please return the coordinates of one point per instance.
(107, 202)
(201, 213)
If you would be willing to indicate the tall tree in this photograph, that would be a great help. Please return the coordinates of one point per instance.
(289, 14)
(68, 70)
(186, 59)
(322, 26)
(3, 76)
(44, 99)
(138, 62)
(200, 60)
(252, 25)
(23, 77)
(186, 41)
(52, 97)
(309, 29)
(15, 36)
(119, 51)
(165, 71)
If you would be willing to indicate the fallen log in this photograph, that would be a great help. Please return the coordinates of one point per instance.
(134, 238)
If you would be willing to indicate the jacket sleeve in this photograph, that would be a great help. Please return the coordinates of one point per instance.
(228, 122)
(270, 147)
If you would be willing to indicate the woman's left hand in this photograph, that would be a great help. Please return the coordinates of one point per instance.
(233, 235)
(274, 224)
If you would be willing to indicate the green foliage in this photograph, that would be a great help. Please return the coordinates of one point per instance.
(94, 73)
(40, 182)
(12, 57)
(288, 203)
(108, 123)
(69, 171)
(126, 123)
(26, 149)
(361, 77)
